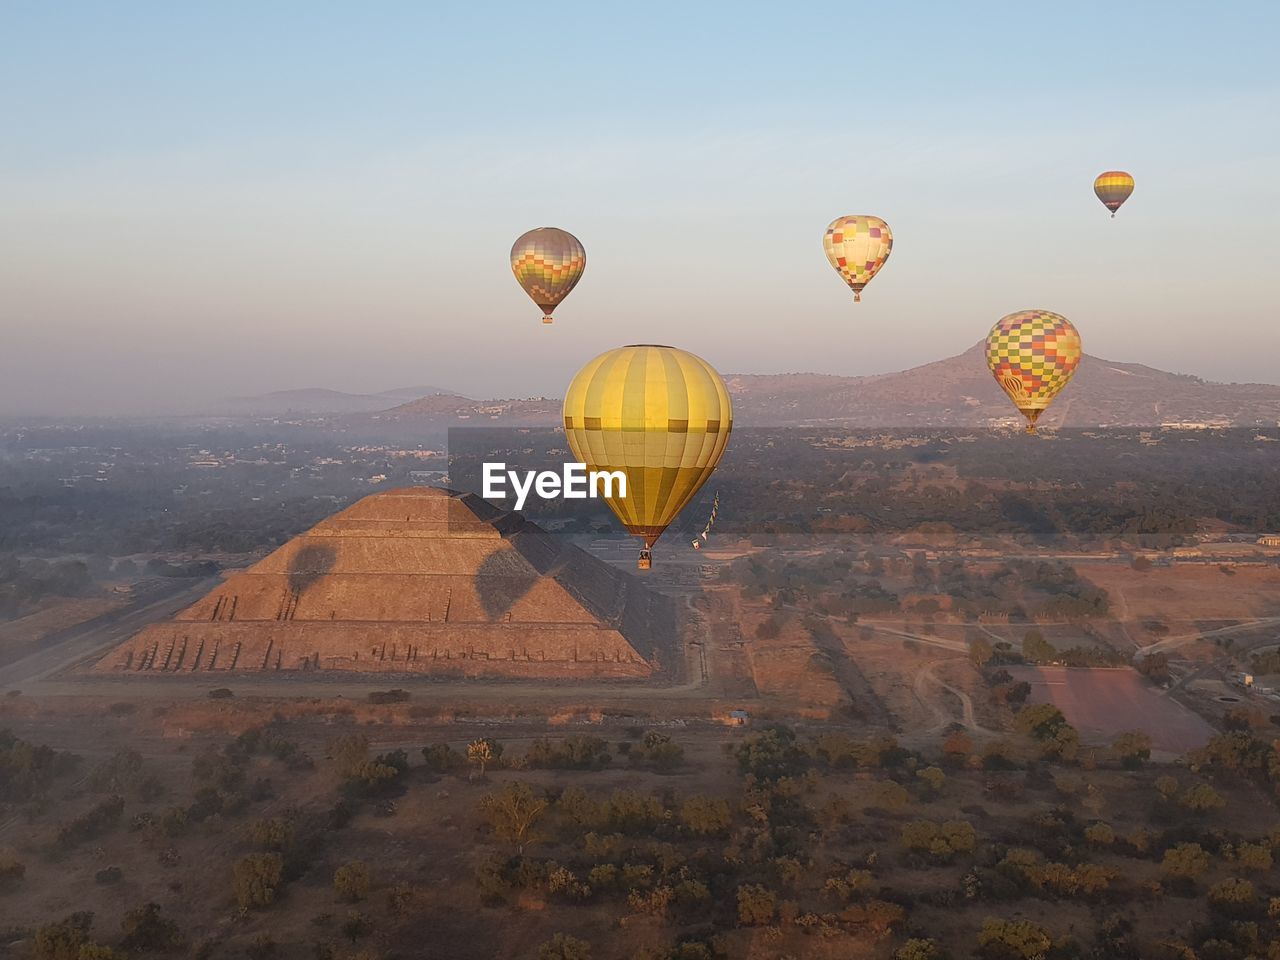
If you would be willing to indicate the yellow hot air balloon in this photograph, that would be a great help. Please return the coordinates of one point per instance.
(548, 263)
(857, 247)
(1113, 189)
(661, 417)
(1032, 354)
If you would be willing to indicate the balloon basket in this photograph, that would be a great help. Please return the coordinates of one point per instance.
(645, 561)
(547, 319)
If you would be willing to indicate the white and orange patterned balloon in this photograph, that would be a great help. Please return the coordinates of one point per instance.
(857, 247)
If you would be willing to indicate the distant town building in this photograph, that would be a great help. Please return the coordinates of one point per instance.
(1269, 540)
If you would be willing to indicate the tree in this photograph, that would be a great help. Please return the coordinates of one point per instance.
(942, 841)
(442, 758)
(980, 652)
(1133, 749)
(1186, 860)
(272, 834)
(564, 947)
(63, 940)
(1013, 940)
(1100, 834)
(1167, 786)
(351, 881)
(144, 929)
(256, 879)
(356, 925)
(513, 813)
(933, 779)
(705, 816)
(1233, 896)
(1254, 856)
(482, 752)
(918, 949)
(756, 905)
(1037, 649)
(1202, 798)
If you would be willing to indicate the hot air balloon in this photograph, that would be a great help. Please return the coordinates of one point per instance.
(548, 263)
(659, 415)
(1032, 354)
(1113, 188)
(857, 247)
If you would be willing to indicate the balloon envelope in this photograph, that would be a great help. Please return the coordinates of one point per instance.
(661, 416)
(1033, 354)
(857, 248)
(1113, 189)
(548, 263)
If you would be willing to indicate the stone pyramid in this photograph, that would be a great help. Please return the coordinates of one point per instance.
(418, 580)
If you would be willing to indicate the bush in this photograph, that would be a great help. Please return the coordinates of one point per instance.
(918, 949)
(1186, 860)
(941, 841)
(144, 929)
(221, 693)
(389, 696)
(256, 878)
(64, 939)
(572, 753)
(1013, 940)
(442, 758)
(351, 881)
(564, 947)
(756, 905)
(96, 822)
(706, 816)
(657, 751)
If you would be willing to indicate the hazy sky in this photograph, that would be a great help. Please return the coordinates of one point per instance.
(200, 200)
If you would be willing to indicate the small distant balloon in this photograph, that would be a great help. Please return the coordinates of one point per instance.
(548, 263)
(1113, 189)
(857, 247)
(1033, 354)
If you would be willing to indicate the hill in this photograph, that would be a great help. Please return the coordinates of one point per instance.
(956, 392)
(318, 401)
(959, 391)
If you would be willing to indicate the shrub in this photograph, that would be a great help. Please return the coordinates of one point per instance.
(1186, 860)
(442, 758)
(256, 879)
(351, 881)
(941, 841)
(1013, 939)
(705, 816)
(756, 905)
(564, 947)
(144, 929)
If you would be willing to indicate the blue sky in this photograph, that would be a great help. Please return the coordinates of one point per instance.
(200, 200)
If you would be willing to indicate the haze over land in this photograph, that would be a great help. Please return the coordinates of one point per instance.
(957, 391)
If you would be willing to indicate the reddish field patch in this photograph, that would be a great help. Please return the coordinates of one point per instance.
(1104, 702)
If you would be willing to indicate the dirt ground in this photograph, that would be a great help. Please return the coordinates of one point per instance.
(26, 632)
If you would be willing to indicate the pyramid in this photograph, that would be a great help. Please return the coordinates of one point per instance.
(417, 580)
